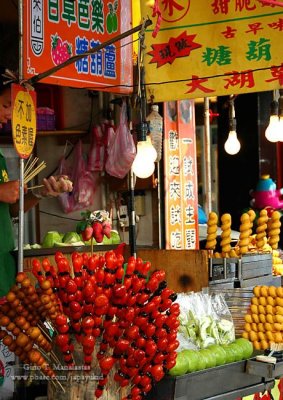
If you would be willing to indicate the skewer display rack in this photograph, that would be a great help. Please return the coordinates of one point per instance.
(249, 270)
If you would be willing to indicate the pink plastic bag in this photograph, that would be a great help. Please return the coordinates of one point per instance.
(84, 181)
(96, 155)
(121, 149)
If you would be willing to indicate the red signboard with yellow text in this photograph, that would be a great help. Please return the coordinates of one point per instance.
(198, 48)
(55, 30)
(180, 170)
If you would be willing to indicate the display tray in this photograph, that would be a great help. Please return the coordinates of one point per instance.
(266, 370)
(226, 382)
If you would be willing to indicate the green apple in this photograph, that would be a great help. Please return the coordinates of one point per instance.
(209, 357)
(219, 353)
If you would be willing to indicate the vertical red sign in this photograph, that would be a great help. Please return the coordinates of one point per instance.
(180, 166)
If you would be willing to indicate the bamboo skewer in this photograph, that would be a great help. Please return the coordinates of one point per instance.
(35, 187)
(29, 168)
(28, 177)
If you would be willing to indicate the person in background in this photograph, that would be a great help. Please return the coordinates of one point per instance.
(53, 186)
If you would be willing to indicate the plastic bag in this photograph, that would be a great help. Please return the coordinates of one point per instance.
(65, 199)
(121, 149)
(204, 320)
(96, 155)
(84, 181)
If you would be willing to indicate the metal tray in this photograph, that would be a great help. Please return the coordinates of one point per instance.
(266, 370)
(226, 382)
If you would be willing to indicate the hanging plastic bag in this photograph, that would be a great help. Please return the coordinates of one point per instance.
(64, 168)
(96, 155)
(121, 148)
(84, 181)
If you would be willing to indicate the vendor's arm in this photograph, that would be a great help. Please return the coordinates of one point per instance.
(52, 187)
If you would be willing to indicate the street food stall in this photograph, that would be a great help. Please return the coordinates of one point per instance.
(137, 322)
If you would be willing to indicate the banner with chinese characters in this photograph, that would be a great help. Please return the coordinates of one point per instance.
(180, 176)
(23, 120)
(212, 48)
(55, 30)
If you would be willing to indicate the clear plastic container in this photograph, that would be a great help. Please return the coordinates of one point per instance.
(156, 128)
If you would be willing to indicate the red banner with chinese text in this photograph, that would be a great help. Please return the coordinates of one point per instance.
(55, 30)
(180, 176)
(212, 48)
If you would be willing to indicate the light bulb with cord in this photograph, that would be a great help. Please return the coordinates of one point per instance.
(272, 132)
(232, 145)
(143, 165)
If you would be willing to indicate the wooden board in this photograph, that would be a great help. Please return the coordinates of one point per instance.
(186, 270)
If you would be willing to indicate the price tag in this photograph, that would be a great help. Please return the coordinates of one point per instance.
(23, 120)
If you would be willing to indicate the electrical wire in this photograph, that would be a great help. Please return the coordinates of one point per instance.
(184, 80)
(59, 216)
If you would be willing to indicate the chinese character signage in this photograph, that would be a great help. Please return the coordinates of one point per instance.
(180, 170)
(23, 120)
(212, 48)
(55, 30)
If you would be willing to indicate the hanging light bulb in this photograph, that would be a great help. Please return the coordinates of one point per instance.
(143, 165)
(272, 132)
(232, 145)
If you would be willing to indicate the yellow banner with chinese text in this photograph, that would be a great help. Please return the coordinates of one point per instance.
(212, 48)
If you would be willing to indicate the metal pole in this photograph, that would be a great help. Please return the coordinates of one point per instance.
(132, 216)
(207, 166)
(21, 198)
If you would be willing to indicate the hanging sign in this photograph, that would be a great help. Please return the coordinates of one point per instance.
(55, 30)
(23, 120)
(180, 170)
(212, 48)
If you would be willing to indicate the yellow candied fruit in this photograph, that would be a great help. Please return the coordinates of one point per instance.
(278, 326)
(279, 301)
(255, 318)
(279, 310)
(279, 292)
(264, 344)
(256, 291)
(254, 309)
(253, 336)
(264, 291)
(254, 327)
(268, 326)
(278, 318)
(247, 327)
(245, 335)
(256, 345)
(248, 318)
(269, 309)
(269, 336)
(272, 291)
(255, 301)
(270, 301)
(270, 318)
(277, 337)
(262, 301)
(261, 309)
(262, 318)
(261, 336)
(260, 327)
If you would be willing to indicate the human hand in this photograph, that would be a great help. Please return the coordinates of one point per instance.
(56, 185)
(9, 192)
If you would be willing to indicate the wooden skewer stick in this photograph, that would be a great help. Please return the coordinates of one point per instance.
(27, 162)
(35, 172)
(27, 170)
(35, 187)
